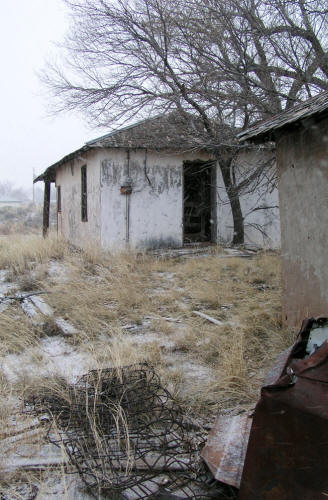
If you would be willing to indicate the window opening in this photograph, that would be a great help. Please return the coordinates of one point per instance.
(84, 199)
(59, 209)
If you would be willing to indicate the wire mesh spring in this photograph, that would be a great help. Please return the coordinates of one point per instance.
(125, 435)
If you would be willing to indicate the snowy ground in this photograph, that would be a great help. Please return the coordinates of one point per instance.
(161, 335)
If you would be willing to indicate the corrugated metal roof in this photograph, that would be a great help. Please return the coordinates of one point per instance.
(265, 129)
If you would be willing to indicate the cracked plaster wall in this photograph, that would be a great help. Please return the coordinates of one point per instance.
(68, 176)
(302, 158)
(262, 227)
(155, 205)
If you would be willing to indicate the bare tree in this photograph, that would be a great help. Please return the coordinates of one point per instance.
(226, 63)
(266, 54)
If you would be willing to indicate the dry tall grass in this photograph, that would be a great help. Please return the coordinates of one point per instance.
(103, 292)
(20, 253)
(206, 367)
(16, 332)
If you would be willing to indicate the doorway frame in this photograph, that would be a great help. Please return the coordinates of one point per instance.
(213, 197)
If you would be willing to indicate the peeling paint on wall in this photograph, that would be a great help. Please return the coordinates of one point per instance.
(111, 173)
(155, 209)
(155, 205)
(68, 176)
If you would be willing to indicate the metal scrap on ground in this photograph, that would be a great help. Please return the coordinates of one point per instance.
(126, 436)
(226, 447)
(287, 451)
(283, 452)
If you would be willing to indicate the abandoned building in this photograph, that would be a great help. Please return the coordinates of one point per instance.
(301, 136)
(129, 189)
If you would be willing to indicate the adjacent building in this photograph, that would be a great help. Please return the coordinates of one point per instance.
(301, 137)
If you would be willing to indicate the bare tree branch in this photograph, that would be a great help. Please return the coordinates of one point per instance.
(226, 63)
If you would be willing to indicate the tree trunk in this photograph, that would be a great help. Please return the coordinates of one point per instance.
(233, 195)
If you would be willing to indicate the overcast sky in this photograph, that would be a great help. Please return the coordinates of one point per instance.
(29, 137)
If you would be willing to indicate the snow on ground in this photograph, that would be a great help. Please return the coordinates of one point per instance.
(57, 271)
(57, 356)
(54, 356)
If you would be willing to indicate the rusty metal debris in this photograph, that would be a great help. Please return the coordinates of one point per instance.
(126, 436)
(286, 444)
(287, 455)
(226, 446)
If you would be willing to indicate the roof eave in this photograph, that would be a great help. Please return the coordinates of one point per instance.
(49, 175)
(258, 137)
(273, 133)
(305, 113)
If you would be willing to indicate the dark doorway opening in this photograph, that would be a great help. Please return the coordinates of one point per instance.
(198, 209)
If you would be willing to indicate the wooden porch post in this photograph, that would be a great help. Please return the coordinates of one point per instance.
(46, 208)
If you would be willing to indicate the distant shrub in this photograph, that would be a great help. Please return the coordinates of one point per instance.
(23, 219)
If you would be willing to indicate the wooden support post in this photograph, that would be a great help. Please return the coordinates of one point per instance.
(46, 208)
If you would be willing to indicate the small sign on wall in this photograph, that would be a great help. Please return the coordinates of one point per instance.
(126, 189)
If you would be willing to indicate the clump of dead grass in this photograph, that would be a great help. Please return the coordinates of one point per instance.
(55, 388)
(16, 332)
(20, 253)
(49, 328)
(90, 306)
(233, 370)
(32, 279)
(246, 294)
(95, 301)
(174, 379)
(163, 326)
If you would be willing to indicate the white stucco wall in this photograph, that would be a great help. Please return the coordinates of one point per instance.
(262, 226)
(68, 177)
(152, 216)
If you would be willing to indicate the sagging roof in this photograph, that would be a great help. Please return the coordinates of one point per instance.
(266, 129)
(163, 132)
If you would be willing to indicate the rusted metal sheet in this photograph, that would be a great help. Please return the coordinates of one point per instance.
(278, 366)
(226, 446)
(287, 454)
